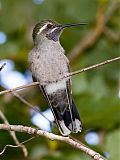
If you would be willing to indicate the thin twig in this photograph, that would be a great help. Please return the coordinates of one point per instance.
(115, 37)
(30, 105)
(12, 133)
(51, 136)
(3, 65)
(68, 75)
(13, 146)
(91, 67)
(19, 88)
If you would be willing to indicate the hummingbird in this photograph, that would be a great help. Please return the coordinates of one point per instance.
(49, 65)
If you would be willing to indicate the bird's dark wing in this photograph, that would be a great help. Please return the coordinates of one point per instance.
(59, 107)
(63, 109)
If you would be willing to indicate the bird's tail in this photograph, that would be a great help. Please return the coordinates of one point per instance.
(69, 121)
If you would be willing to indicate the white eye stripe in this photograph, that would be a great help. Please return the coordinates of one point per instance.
(45, 26)
(41, 29)
(53, 29)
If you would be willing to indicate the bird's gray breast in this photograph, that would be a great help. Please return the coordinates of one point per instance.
(48, 62)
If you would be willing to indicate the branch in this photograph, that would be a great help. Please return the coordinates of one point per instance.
(102, 18)
(51, 136)
(111, 9)
(90, 38)
(12, 133)
(68, 75)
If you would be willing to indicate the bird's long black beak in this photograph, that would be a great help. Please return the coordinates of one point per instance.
(71, 25)
(57, 30)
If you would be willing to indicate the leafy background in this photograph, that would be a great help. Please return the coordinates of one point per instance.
(95, 91)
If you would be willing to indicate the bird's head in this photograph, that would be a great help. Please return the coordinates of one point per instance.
(49, 29)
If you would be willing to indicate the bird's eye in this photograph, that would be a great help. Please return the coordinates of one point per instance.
(49, 26)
